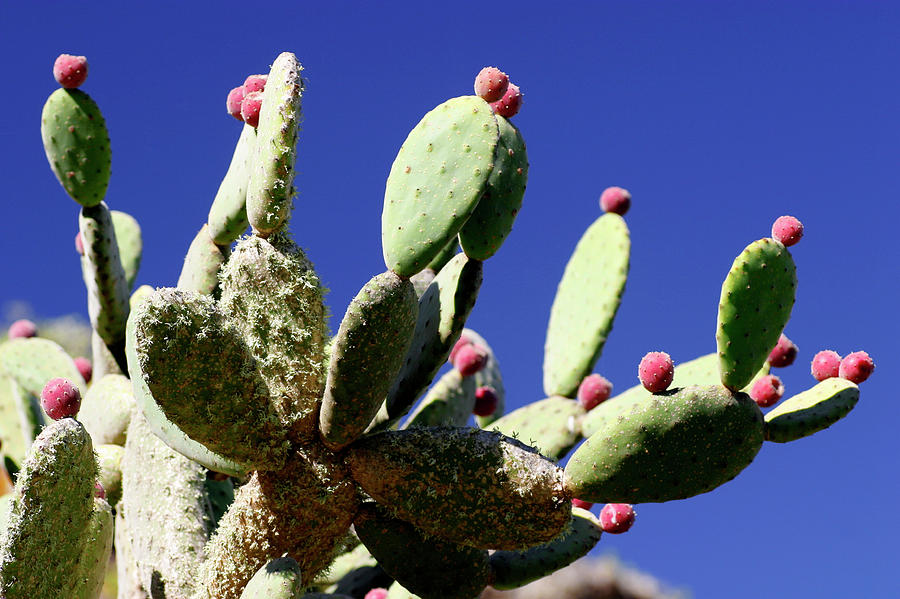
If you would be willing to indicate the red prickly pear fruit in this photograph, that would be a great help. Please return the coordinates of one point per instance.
(255, 83)
(79, 244)
(616, 518)
(856, 367)
(99, 491)
(491, 83)
(379, 593)
(461, 342)
(22, 329)
(585, 505)
(470, 359)
(250, 106)
(84, 367)
(593, 391)
(508, 106)
(233, 102)
(787, 229)
(485, 401)
(615, 199)
(825, 365)
(784, 353)
(767, 391)
(60, 398)
(656, 371)
(70, 71)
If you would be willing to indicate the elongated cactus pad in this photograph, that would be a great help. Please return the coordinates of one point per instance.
(16, 433)
(811, 411)
(437, 178)
(586, 302)
(271, 187)
(667, 446)
(51, 510)
(130, 242)
(489, 376)
(493, 218)
(368, 352)
(513, 569)
(552, 425)
(106, 409)
(439, 261)
(430, 567)
(278, 579)
(228, 214)
(204, 258)
(77, 144)
(755, 305)
(448, 403)
(94, 559)
(469, 486)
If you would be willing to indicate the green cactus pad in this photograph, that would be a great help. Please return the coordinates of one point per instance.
(106, 409)
(51, 510)
(16, 433)
(345, 563)
(367, 354)
(488, 376)
(465, 485)
(441, 260)
(436, 181)
(77, 144)
(428, 566)
(90, 570)
(585, 305)
(448, 403)
(492, 220)
(513, 569)
(204, 258)
(271, 293)
(130, 242)
(104, 277)
(109, 460)
(552, 425)
(33, 361)
(755, 305)
(667, 446)
(228, 214)
(699, 371)
(811, 411)
(443, 310)
(270, 188)
(196, 369)
(278, 579)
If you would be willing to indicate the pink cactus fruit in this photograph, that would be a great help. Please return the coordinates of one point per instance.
(233, 102)
(70, 71)
(615, 199)
(22, 329)
(79, 244)
(508, 106)
(84, 367)
(461, 342)
(485, 401)
(470, 359)
(378, 593)
(593, 390)
(99, 491)
(784, 353)
(60, 398)
(787, 229)
(656, 371)
(767, 391)
(856, 367)
(491, 83)
(585, 505)
(825, 365)
(250, 108)
(255, 83)
(616, 518)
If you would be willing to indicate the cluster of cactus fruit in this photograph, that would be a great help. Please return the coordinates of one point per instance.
(229, 447)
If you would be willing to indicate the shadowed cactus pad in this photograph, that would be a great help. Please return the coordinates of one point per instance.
(811, 411)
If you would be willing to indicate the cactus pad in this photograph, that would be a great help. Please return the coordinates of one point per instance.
(228, 214)
(489, 376)
(204, 258)
(811, 411)
(130, 242)
(278, 579)
(552, 425)
(448, 403)
(33, 361)
(106, 409)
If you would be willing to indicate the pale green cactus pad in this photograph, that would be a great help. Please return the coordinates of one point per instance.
(586, 303)
(34, 361)
(513, 569)
(16, 433)
(667, 446)
(449, 402)
(811, 411)
(429, 566)
(109, 475)
(552, 425)
(97, 546)
(228, 214)
(200, 272)
(106, 409)
(271, 186)
(459, 484)
(437, 179)
(493, 218)
(278, 579)
(130, 242)
(755, 305)
(77, 145)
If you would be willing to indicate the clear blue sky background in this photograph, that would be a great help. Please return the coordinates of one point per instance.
(718, 116)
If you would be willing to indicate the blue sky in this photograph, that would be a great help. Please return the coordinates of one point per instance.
(718, 116)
